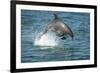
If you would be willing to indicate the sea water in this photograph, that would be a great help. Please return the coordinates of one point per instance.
(51, 47)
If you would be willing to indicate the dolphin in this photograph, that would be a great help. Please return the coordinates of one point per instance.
(60, 28)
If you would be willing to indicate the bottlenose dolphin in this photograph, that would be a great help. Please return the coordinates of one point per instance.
(59, 27)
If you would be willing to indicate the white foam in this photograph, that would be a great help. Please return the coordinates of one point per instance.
(48, 39)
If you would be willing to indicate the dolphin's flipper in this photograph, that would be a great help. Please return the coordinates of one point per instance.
(63, 38)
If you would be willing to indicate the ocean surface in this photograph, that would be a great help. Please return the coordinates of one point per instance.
(33, 22)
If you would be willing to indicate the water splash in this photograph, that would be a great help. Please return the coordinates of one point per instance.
(48, 39)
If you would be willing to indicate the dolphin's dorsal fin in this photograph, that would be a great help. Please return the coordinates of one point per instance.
(55, 16)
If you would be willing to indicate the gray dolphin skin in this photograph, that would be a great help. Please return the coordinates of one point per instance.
(59, 27)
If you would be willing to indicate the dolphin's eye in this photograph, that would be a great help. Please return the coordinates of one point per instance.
(63, 38)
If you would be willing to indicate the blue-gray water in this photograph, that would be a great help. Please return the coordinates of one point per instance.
(33, 22)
